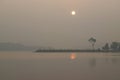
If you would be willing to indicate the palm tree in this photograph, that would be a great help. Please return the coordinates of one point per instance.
(92, 41)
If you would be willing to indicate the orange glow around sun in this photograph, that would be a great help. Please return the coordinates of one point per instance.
(73, 56)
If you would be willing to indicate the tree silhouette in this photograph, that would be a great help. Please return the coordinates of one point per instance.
(92, 41)
(115, 45)
(106, 47)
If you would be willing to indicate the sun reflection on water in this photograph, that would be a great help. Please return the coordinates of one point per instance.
(73, 56)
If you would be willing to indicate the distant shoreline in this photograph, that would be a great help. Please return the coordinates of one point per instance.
(77, 51)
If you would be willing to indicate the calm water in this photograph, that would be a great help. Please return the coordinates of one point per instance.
(59, 66)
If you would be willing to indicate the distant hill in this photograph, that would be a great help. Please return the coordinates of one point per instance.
(15, 47)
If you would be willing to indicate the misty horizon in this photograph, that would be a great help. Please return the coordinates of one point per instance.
(50, 23)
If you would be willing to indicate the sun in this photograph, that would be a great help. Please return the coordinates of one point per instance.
(73, 13)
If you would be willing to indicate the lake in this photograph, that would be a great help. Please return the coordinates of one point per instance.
(59, 66)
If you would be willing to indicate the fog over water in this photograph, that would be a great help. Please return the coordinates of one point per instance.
(59, 66)
(49, 22)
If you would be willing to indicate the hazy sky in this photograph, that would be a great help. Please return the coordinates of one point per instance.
(49, 22)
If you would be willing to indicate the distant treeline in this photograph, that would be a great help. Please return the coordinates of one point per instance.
(71, 50)
(114, 46)
(15, 47)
